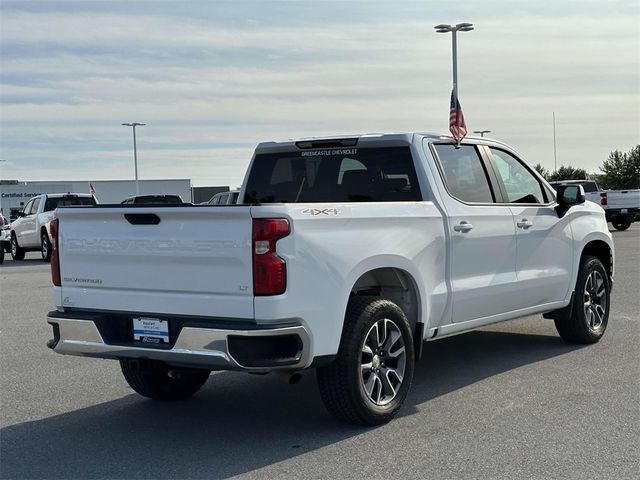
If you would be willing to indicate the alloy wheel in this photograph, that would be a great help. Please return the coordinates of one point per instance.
(383, 360)
(595, 300)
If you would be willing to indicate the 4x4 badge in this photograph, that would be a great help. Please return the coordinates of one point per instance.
(314, 212)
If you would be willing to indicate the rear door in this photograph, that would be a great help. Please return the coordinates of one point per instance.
(482, 235)
(544, 258)
(193, 261)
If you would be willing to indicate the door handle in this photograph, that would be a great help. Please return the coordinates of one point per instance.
(524, 223)
(463, 227)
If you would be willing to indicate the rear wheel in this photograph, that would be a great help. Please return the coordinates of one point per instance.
(622, 224)
(1, 253)
(588, 318)
(45, 247)
(17, 253)
(371, 376)
(161, 382)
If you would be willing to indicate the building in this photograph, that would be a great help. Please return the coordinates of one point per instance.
(14, 194)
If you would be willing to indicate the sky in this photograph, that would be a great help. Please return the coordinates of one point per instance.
(211, 79)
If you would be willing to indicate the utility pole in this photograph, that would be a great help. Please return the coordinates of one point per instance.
(482, 132)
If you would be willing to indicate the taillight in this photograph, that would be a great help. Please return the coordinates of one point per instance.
(55, 258)
(603, 199)
(269, 270)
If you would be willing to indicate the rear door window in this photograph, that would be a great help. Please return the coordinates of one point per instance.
(464, 173)
(334, 175)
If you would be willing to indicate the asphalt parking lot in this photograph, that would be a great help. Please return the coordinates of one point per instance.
(510, 401)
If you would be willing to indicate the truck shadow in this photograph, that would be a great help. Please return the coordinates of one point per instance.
(238, 423)
(27, 262)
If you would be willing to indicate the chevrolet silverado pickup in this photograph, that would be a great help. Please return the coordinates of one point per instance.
(345, 254)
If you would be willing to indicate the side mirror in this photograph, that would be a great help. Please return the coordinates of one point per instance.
(20, 213)
(567, 196)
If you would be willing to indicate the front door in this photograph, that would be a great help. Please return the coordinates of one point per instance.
(544, 258)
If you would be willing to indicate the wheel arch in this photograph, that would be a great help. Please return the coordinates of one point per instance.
(601, 250)
(395, 281)
(392, 283)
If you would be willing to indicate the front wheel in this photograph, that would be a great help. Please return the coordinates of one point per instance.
(45, 247)
(587, 320)
(160, 382)
(17, 253)
(1, 253)
(369, 380)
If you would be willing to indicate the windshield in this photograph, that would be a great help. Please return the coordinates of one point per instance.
(67, 201)
(334, 175)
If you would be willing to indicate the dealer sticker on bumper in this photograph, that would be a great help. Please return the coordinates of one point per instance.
(151, 330)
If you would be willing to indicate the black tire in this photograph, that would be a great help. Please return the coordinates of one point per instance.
(1, 253)
(160, 382)
(622, 224)
(342, 383)
(45, 247)
(579, 326)
(17, 253)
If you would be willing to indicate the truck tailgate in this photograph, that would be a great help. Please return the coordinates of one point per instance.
(623, 199)
(186, 260)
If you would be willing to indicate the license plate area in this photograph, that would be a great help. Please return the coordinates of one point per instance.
(150, 330)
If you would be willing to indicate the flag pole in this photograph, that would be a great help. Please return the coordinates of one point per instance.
(454, 52)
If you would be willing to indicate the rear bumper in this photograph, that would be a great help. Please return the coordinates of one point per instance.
(256, 349)
(617, 213)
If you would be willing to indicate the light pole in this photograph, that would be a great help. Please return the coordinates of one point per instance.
(135, 151)
(460, 27)
(482, 132)
(555, 156)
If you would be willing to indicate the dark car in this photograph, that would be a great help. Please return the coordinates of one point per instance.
(152, 199)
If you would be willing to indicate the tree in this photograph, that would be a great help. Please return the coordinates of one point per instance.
(621, 170)
(567, 173)
(541, 170)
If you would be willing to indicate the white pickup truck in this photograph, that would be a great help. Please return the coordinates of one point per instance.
(346, 255)
(621, 207)
(30, 231)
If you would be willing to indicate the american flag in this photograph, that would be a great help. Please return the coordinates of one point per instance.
(92, 190)
(457, 127)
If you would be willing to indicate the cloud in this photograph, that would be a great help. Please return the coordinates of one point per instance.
(213, 79)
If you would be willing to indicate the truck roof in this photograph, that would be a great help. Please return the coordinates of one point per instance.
(67, 194)
(365, 139)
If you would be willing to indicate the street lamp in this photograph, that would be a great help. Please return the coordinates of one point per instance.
(482, 132)
(135, 152)
(460, 27)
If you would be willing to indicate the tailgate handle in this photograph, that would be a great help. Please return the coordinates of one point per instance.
(142, 218)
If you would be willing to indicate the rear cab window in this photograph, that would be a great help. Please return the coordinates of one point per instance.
(375, 174)
(67, 201)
